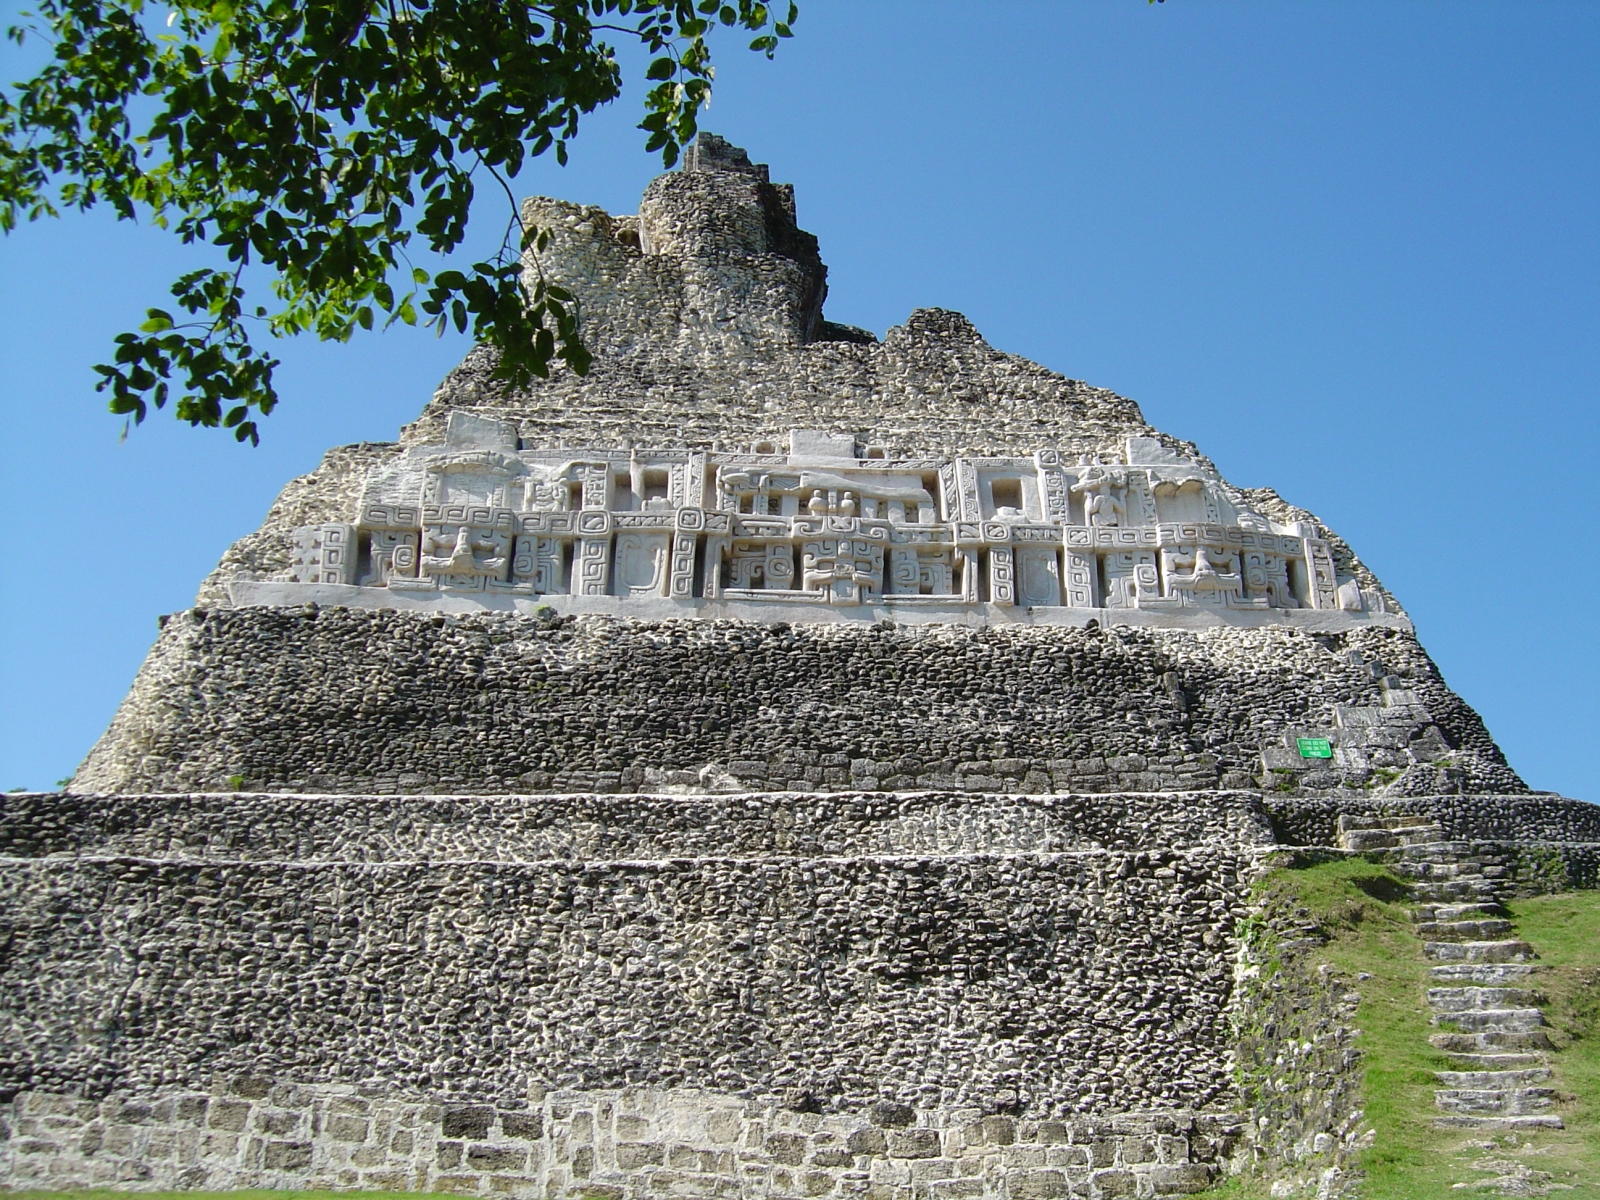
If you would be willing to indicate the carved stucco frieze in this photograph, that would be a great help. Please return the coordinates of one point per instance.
(819, 525)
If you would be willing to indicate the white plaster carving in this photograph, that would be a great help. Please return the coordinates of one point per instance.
(324, 554)
(818, 525)
(1038, 576)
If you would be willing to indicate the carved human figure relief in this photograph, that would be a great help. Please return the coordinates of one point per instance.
(1104, 495)
(482, 513)
(848, 570)
(1201, 576)
(464, 555)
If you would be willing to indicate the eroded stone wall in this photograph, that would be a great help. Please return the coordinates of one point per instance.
(1060, 983)
(343, 700)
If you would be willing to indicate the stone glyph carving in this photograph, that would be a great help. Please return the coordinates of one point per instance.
(819, 525)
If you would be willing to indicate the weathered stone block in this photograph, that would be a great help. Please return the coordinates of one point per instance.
(286, 1156)
(1182, 1178)
(508, 1158)
(347, 1129)
(367, 1157)
(231, 1115)
(583, 1162)
(890, 1115)
(249, 1087)
(526, 1125)
(869, 1141)
(1052, 1133)
(463, 1185)
(1114, 1183)
(817, 1183)
(466, 1121)
(1037, 1185)
(632, 1128)
(914, 1143)
(786, 1148)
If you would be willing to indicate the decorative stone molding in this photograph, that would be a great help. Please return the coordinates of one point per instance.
(827, 525)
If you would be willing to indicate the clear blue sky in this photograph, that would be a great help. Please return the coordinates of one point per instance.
(1349, 249)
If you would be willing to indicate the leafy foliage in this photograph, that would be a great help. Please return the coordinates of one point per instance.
(321, 139)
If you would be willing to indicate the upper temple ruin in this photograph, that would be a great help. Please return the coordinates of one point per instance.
(780, 762)
(735, 454)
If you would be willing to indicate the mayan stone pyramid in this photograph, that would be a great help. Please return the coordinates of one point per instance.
(778, 763)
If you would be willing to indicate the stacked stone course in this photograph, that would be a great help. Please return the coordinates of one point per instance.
(353, 700)
(250, 1131)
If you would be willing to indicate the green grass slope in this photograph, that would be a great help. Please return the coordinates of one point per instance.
(1362, 908)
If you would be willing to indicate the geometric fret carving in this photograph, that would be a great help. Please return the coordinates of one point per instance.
(480, 514)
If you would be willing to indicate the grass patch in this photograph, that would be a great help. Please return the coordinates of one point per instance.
(1364, 910)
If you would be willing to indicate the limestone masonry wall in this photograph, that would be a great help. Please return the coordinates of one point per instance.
(344, 700)
(248, 1131)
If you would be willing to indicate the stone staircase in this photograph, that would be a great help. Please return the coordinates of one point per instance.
(1481, 982)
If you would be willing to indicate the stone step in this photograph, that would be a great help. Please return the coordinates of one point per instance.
(1495, 1102)
(1435, 854)
(1367, 839)
(1453, 891)
(1426, 868)
(1399, 821)
(1499, 1123)
(1456, 888)
(1491, 1042)
(1526, 1077)
(1423, 835)
(1456, 911)
(1495, 1020)
(1464, 999)
(1391, 839)
(1464, 931)
(1505, 950)
(1496, 1062)
(1483, 974)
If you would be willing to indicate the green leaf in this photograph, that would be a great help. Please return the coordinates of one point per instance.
(320, 142)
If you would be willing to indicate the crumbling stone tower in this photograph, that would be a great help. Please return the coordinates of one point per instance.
(779, 762)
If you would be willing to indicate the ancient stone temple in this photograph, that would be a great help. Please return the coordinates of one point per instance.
(778, 763)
